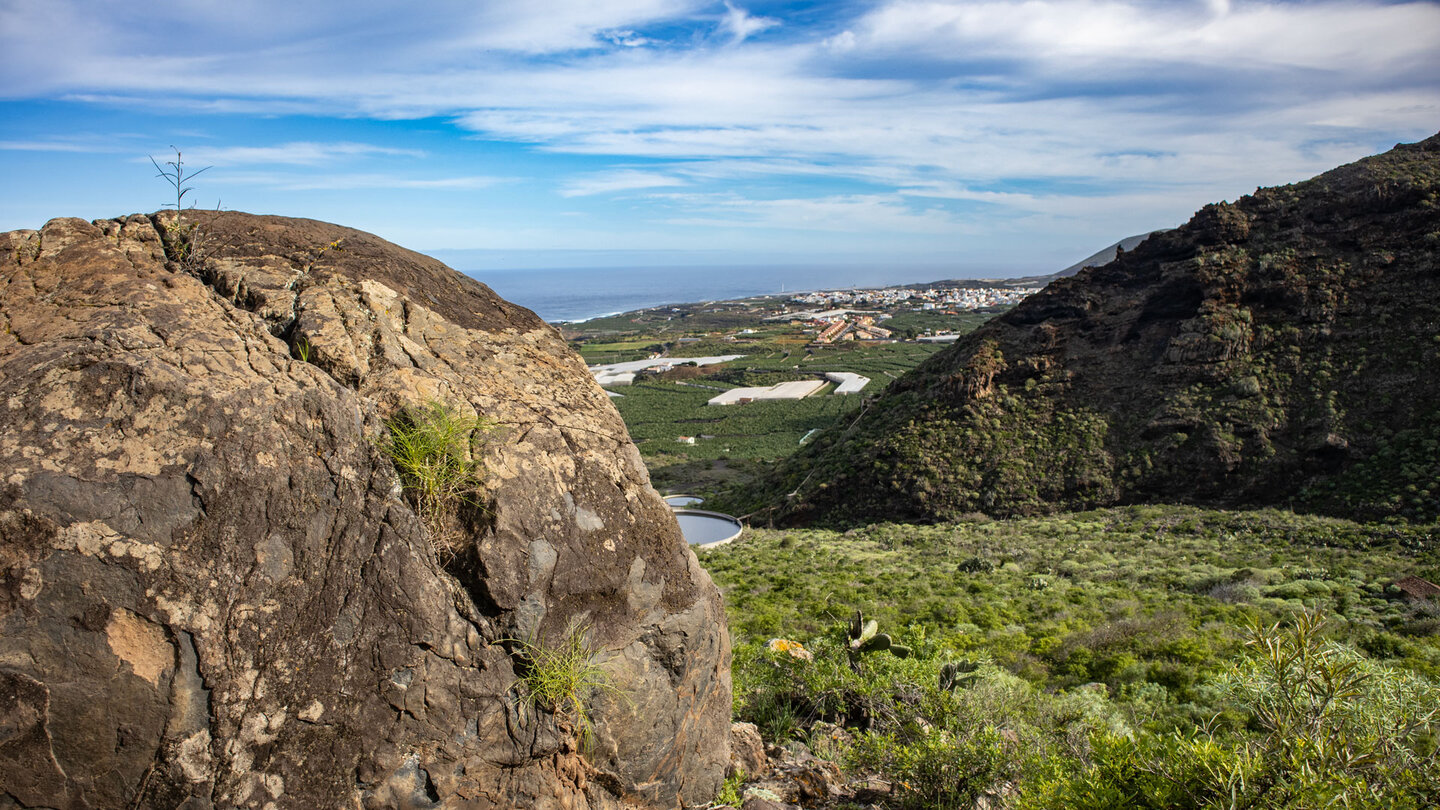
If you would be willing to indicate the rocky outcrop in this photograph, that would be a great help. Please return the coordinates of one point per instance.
(214, 591)
(1278, 350)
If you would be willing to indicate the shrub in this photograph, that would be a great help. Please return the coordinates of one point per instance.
(977, 565)
(939, 767)
(1332, 716)
(1329, 729)
(1290, 590)
(1234, 592)
(433, 448)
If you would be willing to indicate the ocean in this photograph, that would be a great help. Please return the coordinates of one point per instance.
(577, 294)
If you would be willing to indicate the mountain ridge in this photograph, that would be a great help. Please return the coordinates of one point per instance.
(1273, 350)
(1107, 254)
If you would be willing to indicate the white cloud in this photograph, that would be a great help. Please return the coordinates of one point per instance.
(741, 24)
(559, 25)
(323, 49)
(855, 213)
(620, 180)
(54, 146)
(842, 42)
(628, 39)
(1130, 106)
(1113, 35)
(354, 181)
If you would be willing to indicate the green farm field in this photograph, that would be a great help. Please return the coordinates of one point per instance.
(734, 442)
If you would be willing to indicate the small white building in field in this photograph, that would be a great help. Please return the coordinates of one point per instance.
(847, 383)
(616, 378)
(798, 389)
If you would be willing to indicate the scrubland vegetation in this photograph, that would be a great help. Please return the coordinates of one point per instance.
(1147, 656)
(1278, 350)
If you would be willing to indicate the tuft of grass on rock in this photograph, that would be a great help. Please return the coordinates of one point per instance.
(560, 678)
(433, 447)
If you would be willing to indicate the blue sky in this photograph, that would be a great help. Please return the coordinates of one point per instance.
(995, 137)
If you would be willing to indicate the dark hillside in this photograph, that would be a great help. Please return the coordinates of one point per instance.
(1282, 349)
(1105, 255)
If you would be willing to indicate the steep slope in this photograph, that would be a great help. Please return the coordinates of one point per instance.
(1282, 349)
(1105, 255)
(214, 591)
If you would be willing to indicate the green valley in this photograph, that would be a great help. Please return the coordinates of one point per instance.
(1161, 535)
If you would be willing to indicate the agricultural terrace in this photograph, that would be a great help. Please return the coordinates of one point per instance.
(732, 443)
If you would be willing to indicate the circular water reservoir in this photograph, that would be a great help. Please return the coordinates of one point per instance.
(682, 501)
(704, 529)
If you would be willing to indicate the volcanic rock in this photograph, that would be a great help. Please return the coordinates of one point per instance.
(215, 592)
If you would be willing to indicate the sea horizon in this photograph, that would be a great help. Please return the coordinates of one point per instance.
(578, 294)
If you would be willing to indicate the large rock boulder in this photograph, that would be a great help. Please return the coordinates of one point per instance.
(216, 592)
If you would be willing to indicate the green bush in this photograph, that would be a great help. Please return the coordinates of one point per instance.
(939, 768)
(1325, 727)
(1330, 716)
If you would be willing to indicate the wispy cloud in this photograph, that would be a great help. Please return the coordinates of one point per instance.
(55, 146)
(741, 24)
(840, 213)
(1111, 36)
(299, 153)
(350, 181)
(620, 180)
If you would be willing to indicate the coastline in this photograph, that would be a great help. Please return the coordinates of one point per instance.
(577, 295)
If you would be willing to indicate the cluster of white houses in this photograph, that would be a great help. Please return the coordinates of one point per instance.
(836, 325)
(942, 297)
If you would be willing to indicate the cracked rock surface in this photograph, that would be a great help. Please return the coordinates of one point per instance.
(214, 591)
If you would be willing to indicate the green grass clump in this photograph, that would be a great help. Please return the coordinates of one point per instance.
(730, 794)
(433, 447)
(561, 678)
